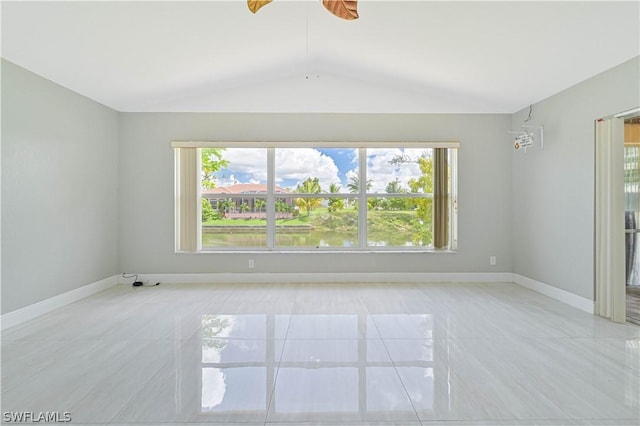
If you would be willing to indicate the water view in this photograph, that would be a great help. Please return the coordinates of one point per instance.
(321, 229)
(316, 195)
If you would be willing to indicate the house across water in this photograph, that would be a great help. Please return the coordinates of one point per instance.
(248, 200)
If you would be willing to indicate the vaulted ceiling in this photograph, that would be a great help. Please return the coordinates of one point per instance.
(294, 56)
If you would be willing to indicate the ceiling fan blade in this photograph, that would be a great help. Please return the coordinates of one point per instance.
(345, 9)
(255, 5)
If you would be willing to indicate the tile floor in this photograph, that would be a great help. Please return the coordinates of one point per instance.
(403, 354)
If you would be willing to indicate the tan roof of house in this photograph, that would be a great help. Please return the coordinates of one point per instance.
(242, 188)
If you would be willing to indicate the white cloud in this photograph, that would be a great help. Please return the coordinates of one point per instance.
(252, 161)
(292, 164)
(300, 163)
(227, 180)
(297, 164)
(380, 171)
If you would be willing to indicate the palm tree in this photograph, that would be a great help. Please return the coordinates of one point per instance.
(335, 204)
(354, 187)
(227, 205)
(258, 205)
(281, 206)
(309, 186)
(354, 184)
(395, 187)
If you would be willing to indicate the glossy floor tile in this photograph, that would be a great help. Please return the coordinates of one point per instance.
(324, 354)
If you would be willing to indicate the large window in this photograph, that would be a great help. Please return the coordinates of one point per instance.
(326, 196)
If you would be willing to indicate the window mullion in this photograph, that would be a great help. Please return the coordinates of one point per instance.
(271, 199)
(362, 198)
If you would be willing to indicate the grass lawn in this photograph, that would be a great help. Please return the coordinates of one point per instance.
(301, 220)
(394, 227)
(321, 218)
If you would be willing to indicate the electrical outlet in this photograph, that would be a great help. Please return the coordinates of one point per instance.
(251, 264)
(493, 260)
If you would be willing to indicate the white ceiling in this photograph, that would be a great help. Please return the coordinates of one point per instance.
(293, 56)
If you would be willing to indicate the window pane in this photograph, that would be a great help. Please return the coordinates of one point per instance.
(319, 222)
(396, 221)
(316, 170)
(239, 221)
(234, 188)
(399, 170)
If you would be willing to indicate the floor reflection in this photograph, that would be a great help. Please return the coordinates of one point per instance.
(225, 389)
(362, 367)
(330, 364)
(411, 326)
(632, 382)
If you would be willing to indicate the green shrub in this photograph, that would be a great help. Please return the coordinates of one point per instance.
(207, 211)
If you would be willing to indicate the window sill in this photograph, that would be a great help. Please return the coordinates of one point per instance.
(319, 251)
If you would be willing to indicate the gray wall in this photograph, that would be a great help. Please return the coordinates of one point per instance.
(553, 189)
(146, 188)
(88, 193)
(59, 189)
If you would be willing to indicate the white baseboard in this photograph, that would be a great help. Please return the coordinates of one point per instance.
(32, 311)
(27, 313)
(329, 277)
(560, 295)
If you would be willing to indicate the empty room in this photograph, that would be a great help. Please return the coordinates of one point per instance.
(322, 212)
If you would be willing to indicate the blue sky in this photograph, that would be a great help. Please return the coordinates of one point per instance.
(330, 165)
(344, 159)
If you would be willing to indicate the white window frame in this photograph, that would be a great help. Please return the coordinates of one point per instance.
(191, 243)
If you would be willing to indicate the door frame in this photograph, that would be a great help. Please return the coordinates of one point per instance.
(609, 229)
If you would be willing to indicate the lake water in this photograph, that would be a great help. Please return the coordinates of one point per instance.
(212, 238)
